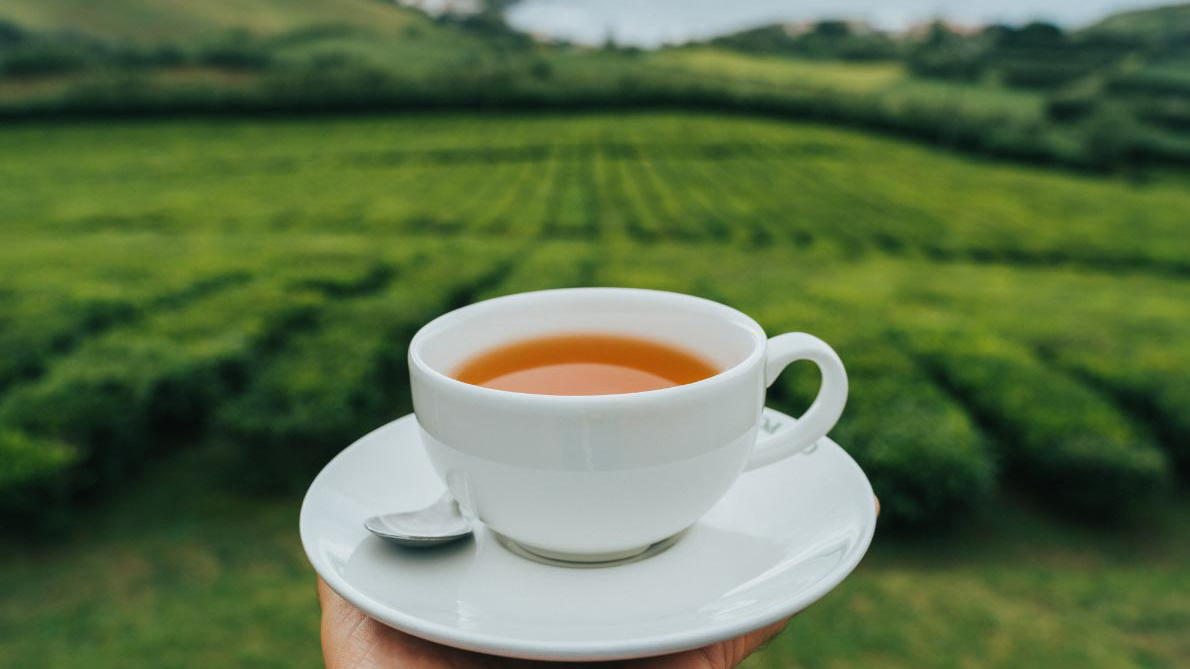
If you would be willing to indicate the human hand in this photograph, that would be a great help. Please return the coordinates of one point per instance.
(352, 640)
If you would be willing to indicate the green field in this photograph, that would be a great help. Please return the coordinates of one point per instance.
(885, 81)
(180, 573)
(1110, 98)
(149, 21)
(196, 313)
(835, 76)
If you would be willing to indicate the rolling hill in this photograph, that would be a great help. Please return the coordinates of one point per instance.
(153, 20)
(1157, 24)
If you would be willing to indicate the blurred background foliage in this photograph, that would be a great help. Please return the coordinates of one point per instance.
(1105, 96)
(223, 221)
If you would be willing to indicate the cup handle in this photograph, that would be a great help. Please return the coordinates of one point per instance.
(822, 414)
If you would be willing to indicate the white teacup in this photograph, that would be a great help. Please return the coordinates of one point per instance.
(604, 477)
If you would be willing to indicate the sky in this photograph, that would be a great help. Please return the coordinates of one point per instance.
(650, 23)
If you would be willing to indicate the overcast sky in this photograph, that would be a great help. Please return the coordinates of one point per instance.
(654, 22)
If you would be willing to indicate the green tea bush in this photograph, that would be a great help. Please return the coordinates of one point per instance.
(1144, 378)
(120, 398)
(1110, 135)
(39, 58)
(927, 462)
(235, 51)
(36, 329)
(325, 390)
(1170, 112)
(32, 471)
(1043, 70)
(945, 54)
(1158, 78)
(830, 39)
(550, 265)
(1060, 439)
(156, 56)
(11, 33)
(760, 213)
(327, 387)
(1161, 145)
(1073, 102)
(39, 323)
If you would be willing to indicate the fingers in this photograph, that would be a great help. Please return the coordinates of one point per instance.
(344, 638)
(740, 648)
(350, 639)
(723, 655)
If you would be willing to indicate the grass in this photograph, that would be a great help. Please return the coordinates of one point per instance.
(172, 574)
(177, 572)
(1008, 589)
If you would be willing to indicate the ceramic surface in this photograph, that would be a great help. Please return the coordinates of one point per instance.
(780, 538)
(590, 477)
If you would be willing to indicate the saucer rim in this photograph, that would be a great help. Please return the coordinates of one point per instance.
(570, 650)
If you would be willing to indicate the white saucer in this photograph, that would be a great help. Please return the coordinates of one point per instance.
(782, 537)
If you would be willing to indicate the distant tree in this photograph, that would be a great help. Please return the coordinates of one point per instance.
(1036, 34)
(1109, 136)
(609, 40)
(10, 33)
(1039, 32)
(541, 68)
(997, 33)
(765, 39)
(235, 50)
(946, 54)
(489, 22)
(832, 28)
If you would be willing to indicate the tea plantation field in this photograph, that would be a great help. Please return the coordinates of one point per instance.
(256, 284)
(1016, 337)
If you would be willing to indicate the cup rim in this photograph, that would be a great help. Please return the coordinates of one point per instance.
(758, 336)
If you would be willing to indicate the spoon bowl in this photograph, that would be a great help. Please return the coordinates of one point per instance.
(437, 524)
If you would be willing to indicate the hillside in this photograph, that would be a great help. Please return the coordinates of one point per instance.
(1031, 93)
(154, 20)
(1157, 24)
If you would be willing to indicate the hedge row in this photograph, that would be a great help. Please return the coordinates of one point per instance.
(330, 385)
(1070, 320)
(549, 265)
(1139, 377)
(356, 88)
(37, 327)
(31, 471)
(129, 393)
(1063, 441)
(939, 411)
(54, 298)
(33, 329)
(114, 397)
(927, 461)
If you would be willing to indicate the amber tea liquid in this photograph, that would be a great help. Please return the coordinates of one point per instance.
(584, 364)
